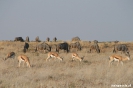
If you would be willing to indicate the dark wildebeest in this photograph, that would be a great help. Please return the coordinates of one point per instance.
(75, 45)
(37, 39)
(121, 47)
(95, 47)
(27, 39)
(19, 39)
(63, 46)
(54, 39)
(26, 46)
(48, 39)
(43, 46)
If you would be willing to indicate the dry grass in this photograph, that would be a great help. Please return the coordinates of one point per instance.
(93, 72)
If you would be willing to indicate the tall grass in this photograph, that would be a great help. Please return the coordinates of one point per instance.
(92, 72)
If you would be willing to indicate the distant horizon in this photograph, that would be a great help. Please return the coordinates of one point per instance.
(42, 40)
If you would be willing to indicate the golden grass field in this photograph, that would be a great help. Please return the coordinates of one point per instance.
(92, 72)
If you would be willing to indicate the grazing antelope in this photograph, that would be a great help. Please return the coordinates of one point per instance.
(24, 59)
(10, 55)
(54, 55)
(75, 55)
(118, 58)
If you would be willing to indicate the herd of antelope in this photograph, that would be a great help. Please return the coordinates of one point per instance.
(23, 58)
(55, 55)
(115, 57)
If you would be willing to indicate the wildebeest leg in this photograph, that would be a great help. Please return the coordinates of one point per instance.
(90, 51)
(24, 50)
(98, 51)
(114, 51)
(57, 50)
(65, 51)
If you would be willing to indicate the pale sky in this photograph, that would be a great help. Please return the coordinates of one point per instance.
(102, 20)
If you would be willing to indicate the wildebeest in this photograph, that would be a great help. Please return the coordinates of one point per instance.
(27, 39)
(37, 39)
(48, 39)
(95, 47)
(63, 46)
(26, 46)
(76, 39)
(19, 39)
(121, 47)
(95, 41)
(43, 46)
(54, 39)
(116, 41)
(75, 45)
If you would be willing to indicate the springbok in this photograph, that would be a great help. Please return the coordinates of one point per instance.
(118, 58)
(54, 55)
(10, 55)
(75, 55)
(24, 59)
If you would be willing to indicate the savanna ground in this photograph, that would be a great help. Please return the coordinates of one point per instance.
(92, 72)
